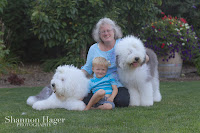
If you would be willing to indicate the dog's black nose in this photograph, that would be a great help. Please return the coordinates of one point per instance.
(53, 85)
(137, 58)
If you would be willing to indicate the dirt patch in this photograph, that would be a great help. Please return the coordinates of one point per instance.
(35, 77)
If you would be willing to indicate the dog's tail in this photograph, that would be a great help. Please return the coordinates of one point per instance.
(153, 60)
(31, 100)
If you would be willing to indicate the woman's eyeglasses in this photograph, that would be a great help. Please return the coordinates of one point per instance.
(103, 32)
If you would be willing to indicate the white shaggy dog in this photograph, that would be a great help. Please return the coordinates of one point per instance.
(69, 85)
(140, 78)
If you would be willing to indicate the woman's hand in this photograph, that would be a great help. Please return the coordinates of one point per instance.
(147, 59)
(86, 73)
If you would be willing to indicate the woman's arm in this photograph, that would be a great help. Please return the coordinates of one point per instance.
(86, 73)
(87, 68)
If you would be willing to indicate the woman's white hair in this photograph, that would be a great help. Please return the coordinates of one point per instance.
(103, 21)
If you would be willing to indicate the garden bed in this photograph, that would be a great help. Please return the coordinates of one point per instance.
(35, 77)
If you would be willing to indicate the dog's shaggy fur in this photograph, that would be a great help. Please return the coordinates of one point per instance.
(140, 78)
(69, 85)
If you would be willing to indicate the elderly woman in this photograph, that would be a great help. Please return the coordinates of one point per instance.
(107, 34)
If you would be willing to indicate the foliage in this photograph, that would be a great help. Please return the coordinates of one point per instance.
(170, 35)
(3, 51)
(52, 64)
(131, 15)
(188, 9)
(9, 64)
(197, 63)
(2, 5)
(17, 35)
(68, 27)
(177, 112)
(68, 24)
(3, 65)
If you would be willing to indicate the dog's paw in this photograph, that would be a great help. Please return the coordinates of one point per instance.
(81, 107)
(134, 103)
(146, 103)
(76, 105)
(157, 98)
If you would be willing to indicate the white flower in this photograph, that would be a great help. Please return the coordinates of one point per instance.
(179, 33)
(183, 44)
(169, 43)
(187, 27)
(177, 29)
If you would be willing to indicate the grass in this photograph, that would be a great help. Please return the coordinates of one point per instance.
(178, 112)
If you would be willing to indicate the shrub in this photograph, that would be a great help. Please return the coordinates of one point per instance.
(131, 15)
(197, 62)
(3, 51)
(52, 64)
(68, 24)
(14, 79)
(9, 64)
(169, 35)
(17, 34)
(188, 9)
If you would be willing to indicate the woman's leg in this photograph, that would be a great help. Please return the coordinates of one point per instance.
(87, 98)
(123, 97)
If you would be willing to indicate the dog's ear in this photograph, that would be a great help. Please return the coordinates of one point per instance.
(60, 69)
(118, 63)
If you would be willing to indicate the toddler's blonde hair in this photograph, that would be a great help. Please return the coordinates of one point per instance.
(100, 61)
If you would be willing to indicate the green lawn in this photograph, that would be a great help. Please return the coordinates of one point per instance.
(179, 111)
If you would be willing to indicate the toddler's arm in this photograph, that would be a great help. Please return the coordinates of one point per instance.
(114, 93)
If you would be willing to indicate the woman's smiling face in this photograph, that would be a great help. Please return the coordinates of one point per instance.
(106, 33)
